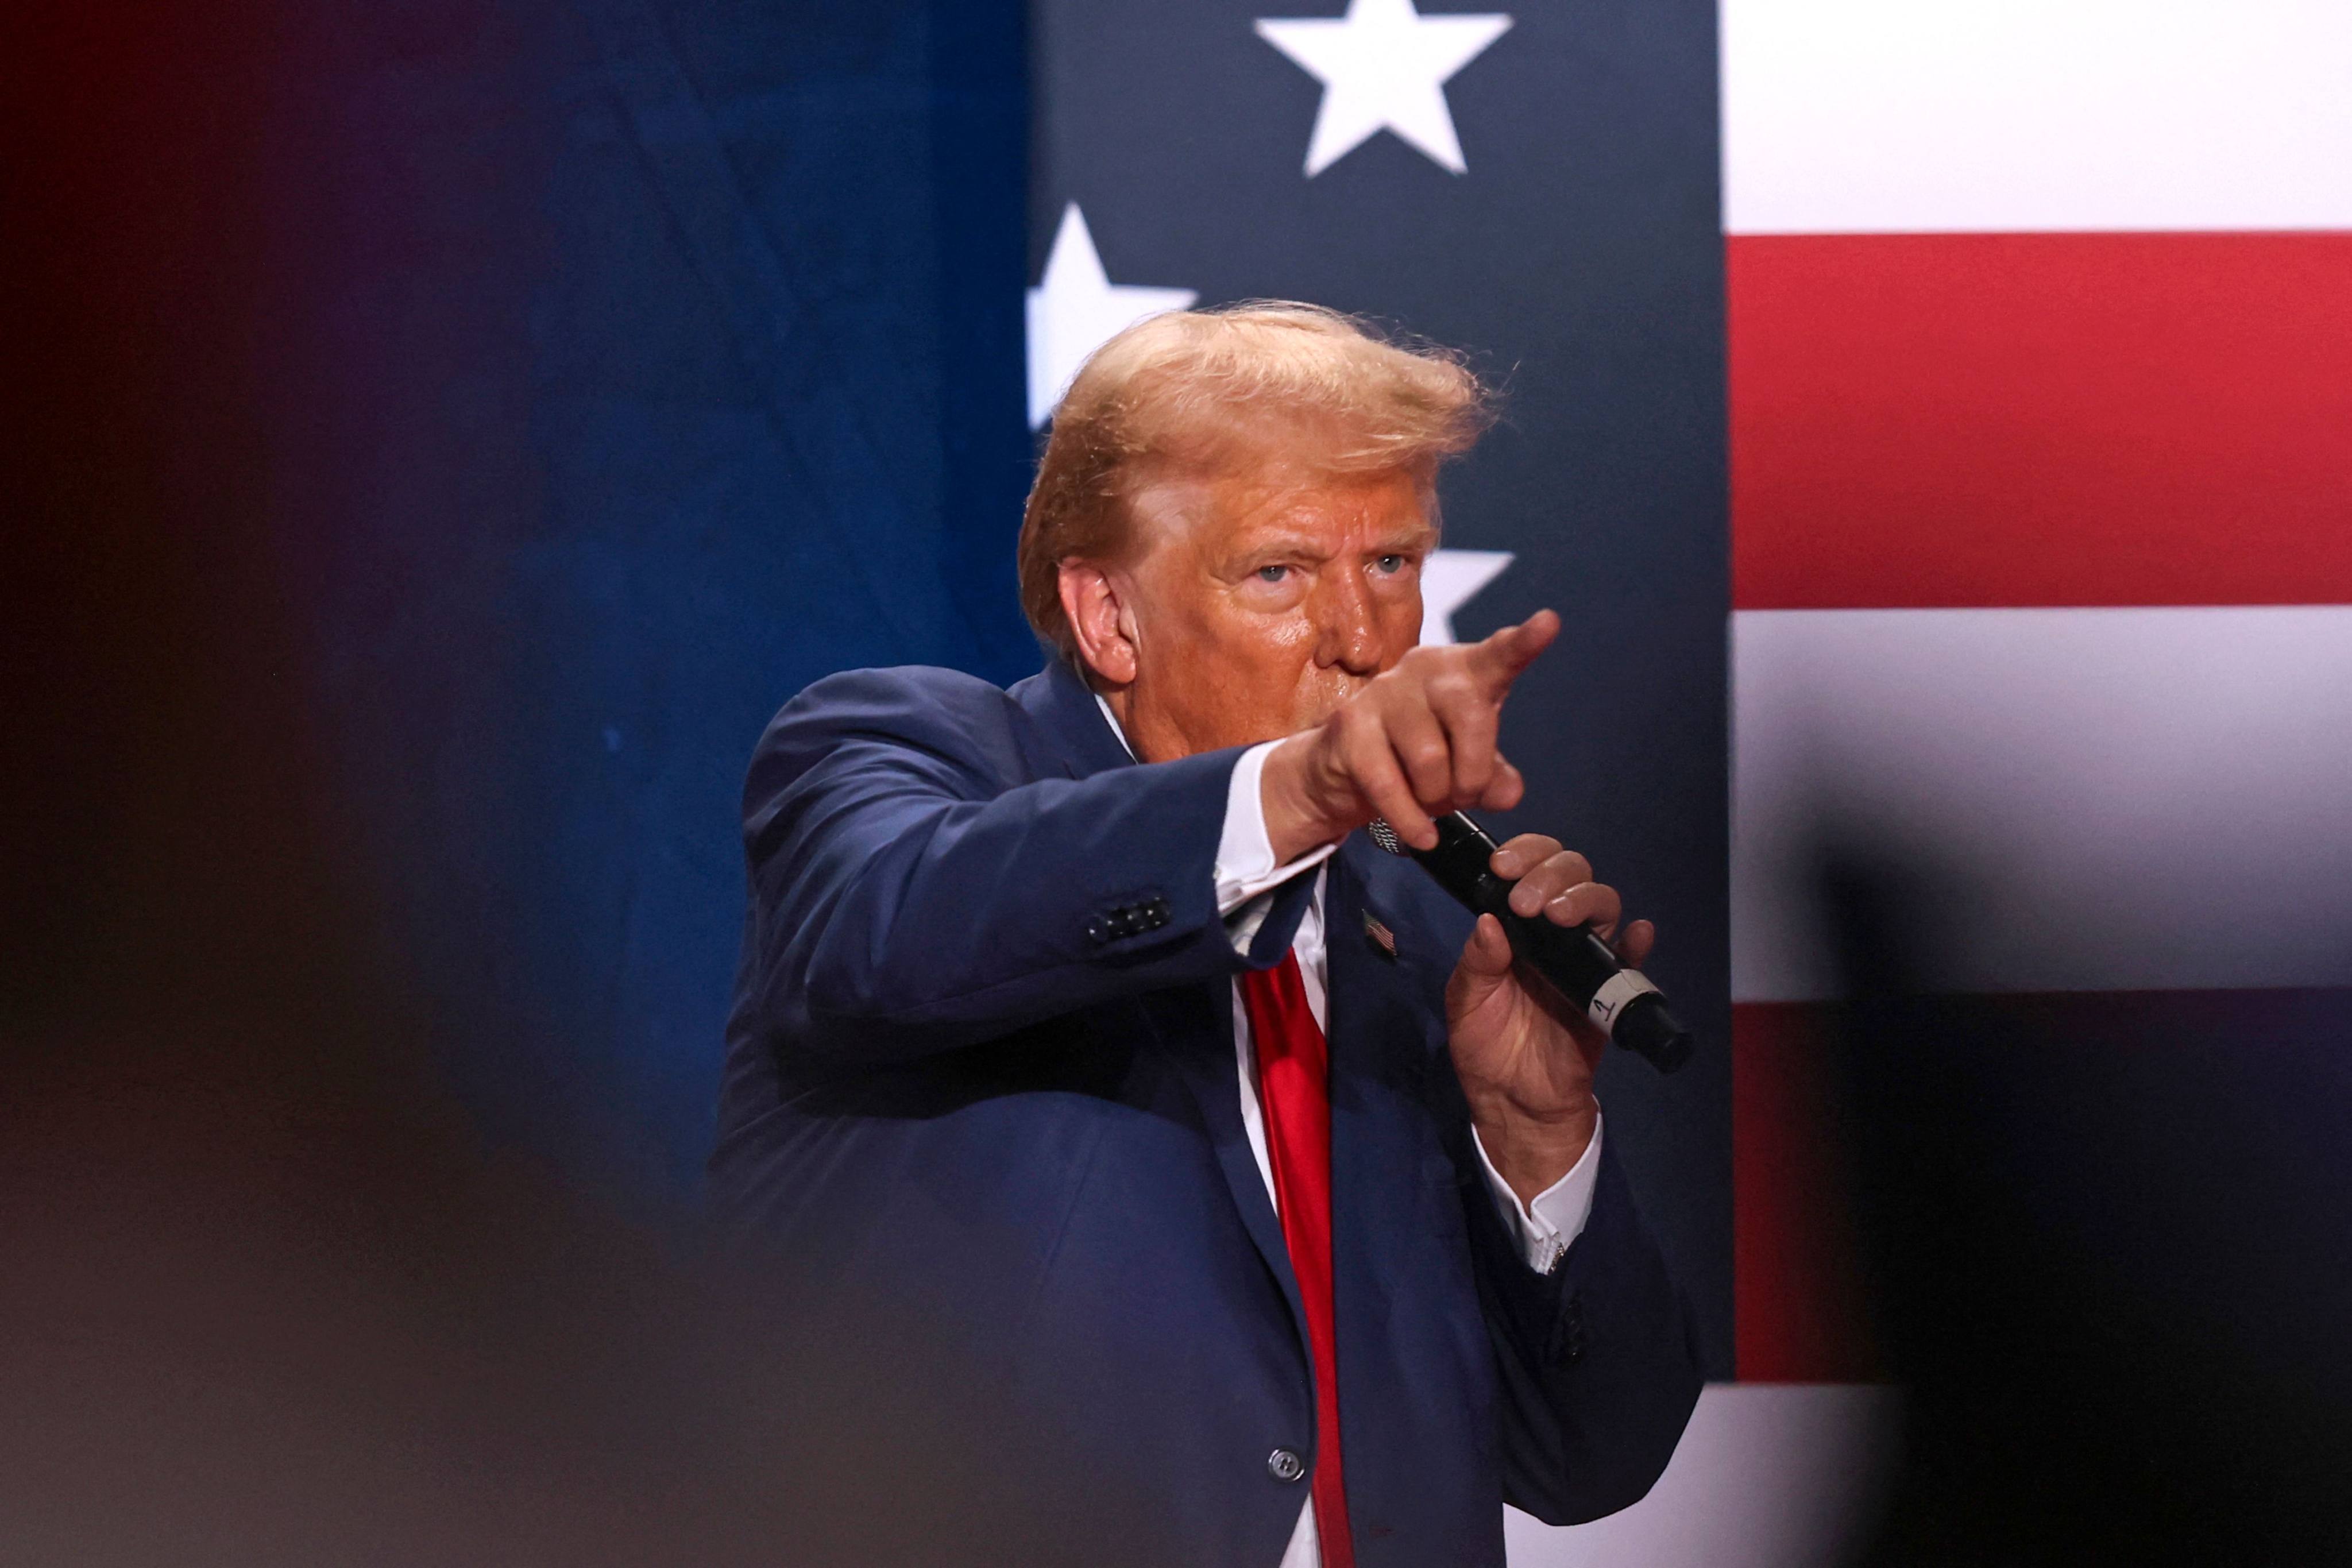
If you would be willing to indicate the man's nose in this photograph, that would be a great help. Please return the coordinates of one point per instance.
(1350, 635)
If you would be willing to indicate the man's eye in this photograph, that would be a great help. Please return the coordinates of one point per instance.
(1390, 564)
(1271, 573)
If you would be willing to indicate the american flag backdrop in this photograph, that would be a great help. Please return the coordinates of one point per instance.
(2040, 369)
(1934, 422)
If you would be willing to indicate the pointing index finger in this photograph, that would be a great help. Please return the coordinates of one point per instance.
(1503, 656)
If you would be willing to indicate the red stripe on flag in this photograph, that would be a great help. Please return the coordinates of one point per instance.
(2016, 419)
(1797, 1307)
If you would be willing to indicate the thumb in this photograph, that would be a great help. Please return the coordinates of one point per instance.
(1485, 964)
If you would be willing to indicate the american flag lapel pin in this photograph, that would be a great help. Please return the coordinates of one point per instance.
(1383, 937)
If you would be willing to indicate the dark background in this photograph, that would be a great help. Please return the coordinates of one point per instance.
(448, 430)
(440, 433)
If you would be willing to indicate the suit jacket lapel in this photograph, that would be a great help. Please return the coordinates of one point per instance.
(1367, 975)
(1194, 1023)
(1384, 1040)
(1070, 722)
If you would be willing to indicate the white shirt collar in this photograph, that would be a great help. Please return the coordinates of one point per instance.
(1112, 720)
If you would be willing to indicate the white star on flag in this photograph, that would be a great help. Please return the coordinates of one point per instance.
(1075, 309)
(1383, 66)
(1450, 579)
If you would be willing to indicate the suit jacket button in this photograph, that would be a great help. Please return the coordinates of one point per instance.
(1284, 1465)
(1567, 1334)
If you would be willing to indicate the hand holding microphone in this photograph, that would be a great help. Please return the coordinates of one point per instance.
(1404, 756)
(1540, 894)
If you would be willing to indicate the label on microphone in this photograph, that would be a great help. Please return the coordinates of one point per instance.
(1615, 991)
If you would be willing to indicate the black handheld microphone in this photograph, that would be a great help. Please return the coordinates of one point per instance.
(1579, 965)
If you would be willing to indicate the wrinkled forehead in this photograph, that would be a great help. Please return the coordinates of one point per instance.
(1277, 477)
(1391, 508)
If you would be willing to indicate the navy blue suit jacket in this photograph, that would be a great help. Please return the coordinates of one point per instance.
(962, 1092)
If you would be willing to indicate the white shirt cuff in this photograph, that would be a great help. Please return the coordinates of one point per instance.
(1548, 1226)
(1245, 870)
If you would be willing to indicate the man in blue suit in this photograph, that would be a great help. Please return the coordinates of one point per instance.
(1239, 1199)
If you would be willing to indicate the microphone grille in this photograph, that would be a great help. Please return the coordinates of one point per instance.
(1385, 836)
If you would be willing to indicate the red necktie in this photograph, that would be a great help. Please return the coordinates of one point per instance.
(1295, 1092)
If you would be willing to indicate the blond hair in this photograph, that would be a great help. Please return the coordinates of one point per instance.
(1200, 391)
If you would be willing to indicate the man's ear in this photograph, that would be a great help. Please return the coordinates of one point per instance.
(1101, 620)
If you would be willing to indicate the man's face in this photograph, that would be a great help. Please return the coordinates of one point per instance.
(1261, 600)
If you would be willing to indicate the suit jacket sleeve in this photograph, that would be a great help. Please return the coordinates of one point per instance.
(1597, 1361)
(913, 890)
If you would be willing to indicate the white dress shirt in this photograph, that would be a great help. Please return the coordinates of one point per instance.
(1246, 875)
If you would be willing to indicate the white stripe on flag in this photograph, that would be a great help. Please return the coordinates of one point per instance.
(1767, 1476)
(2121, 799)
(1866, 116)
